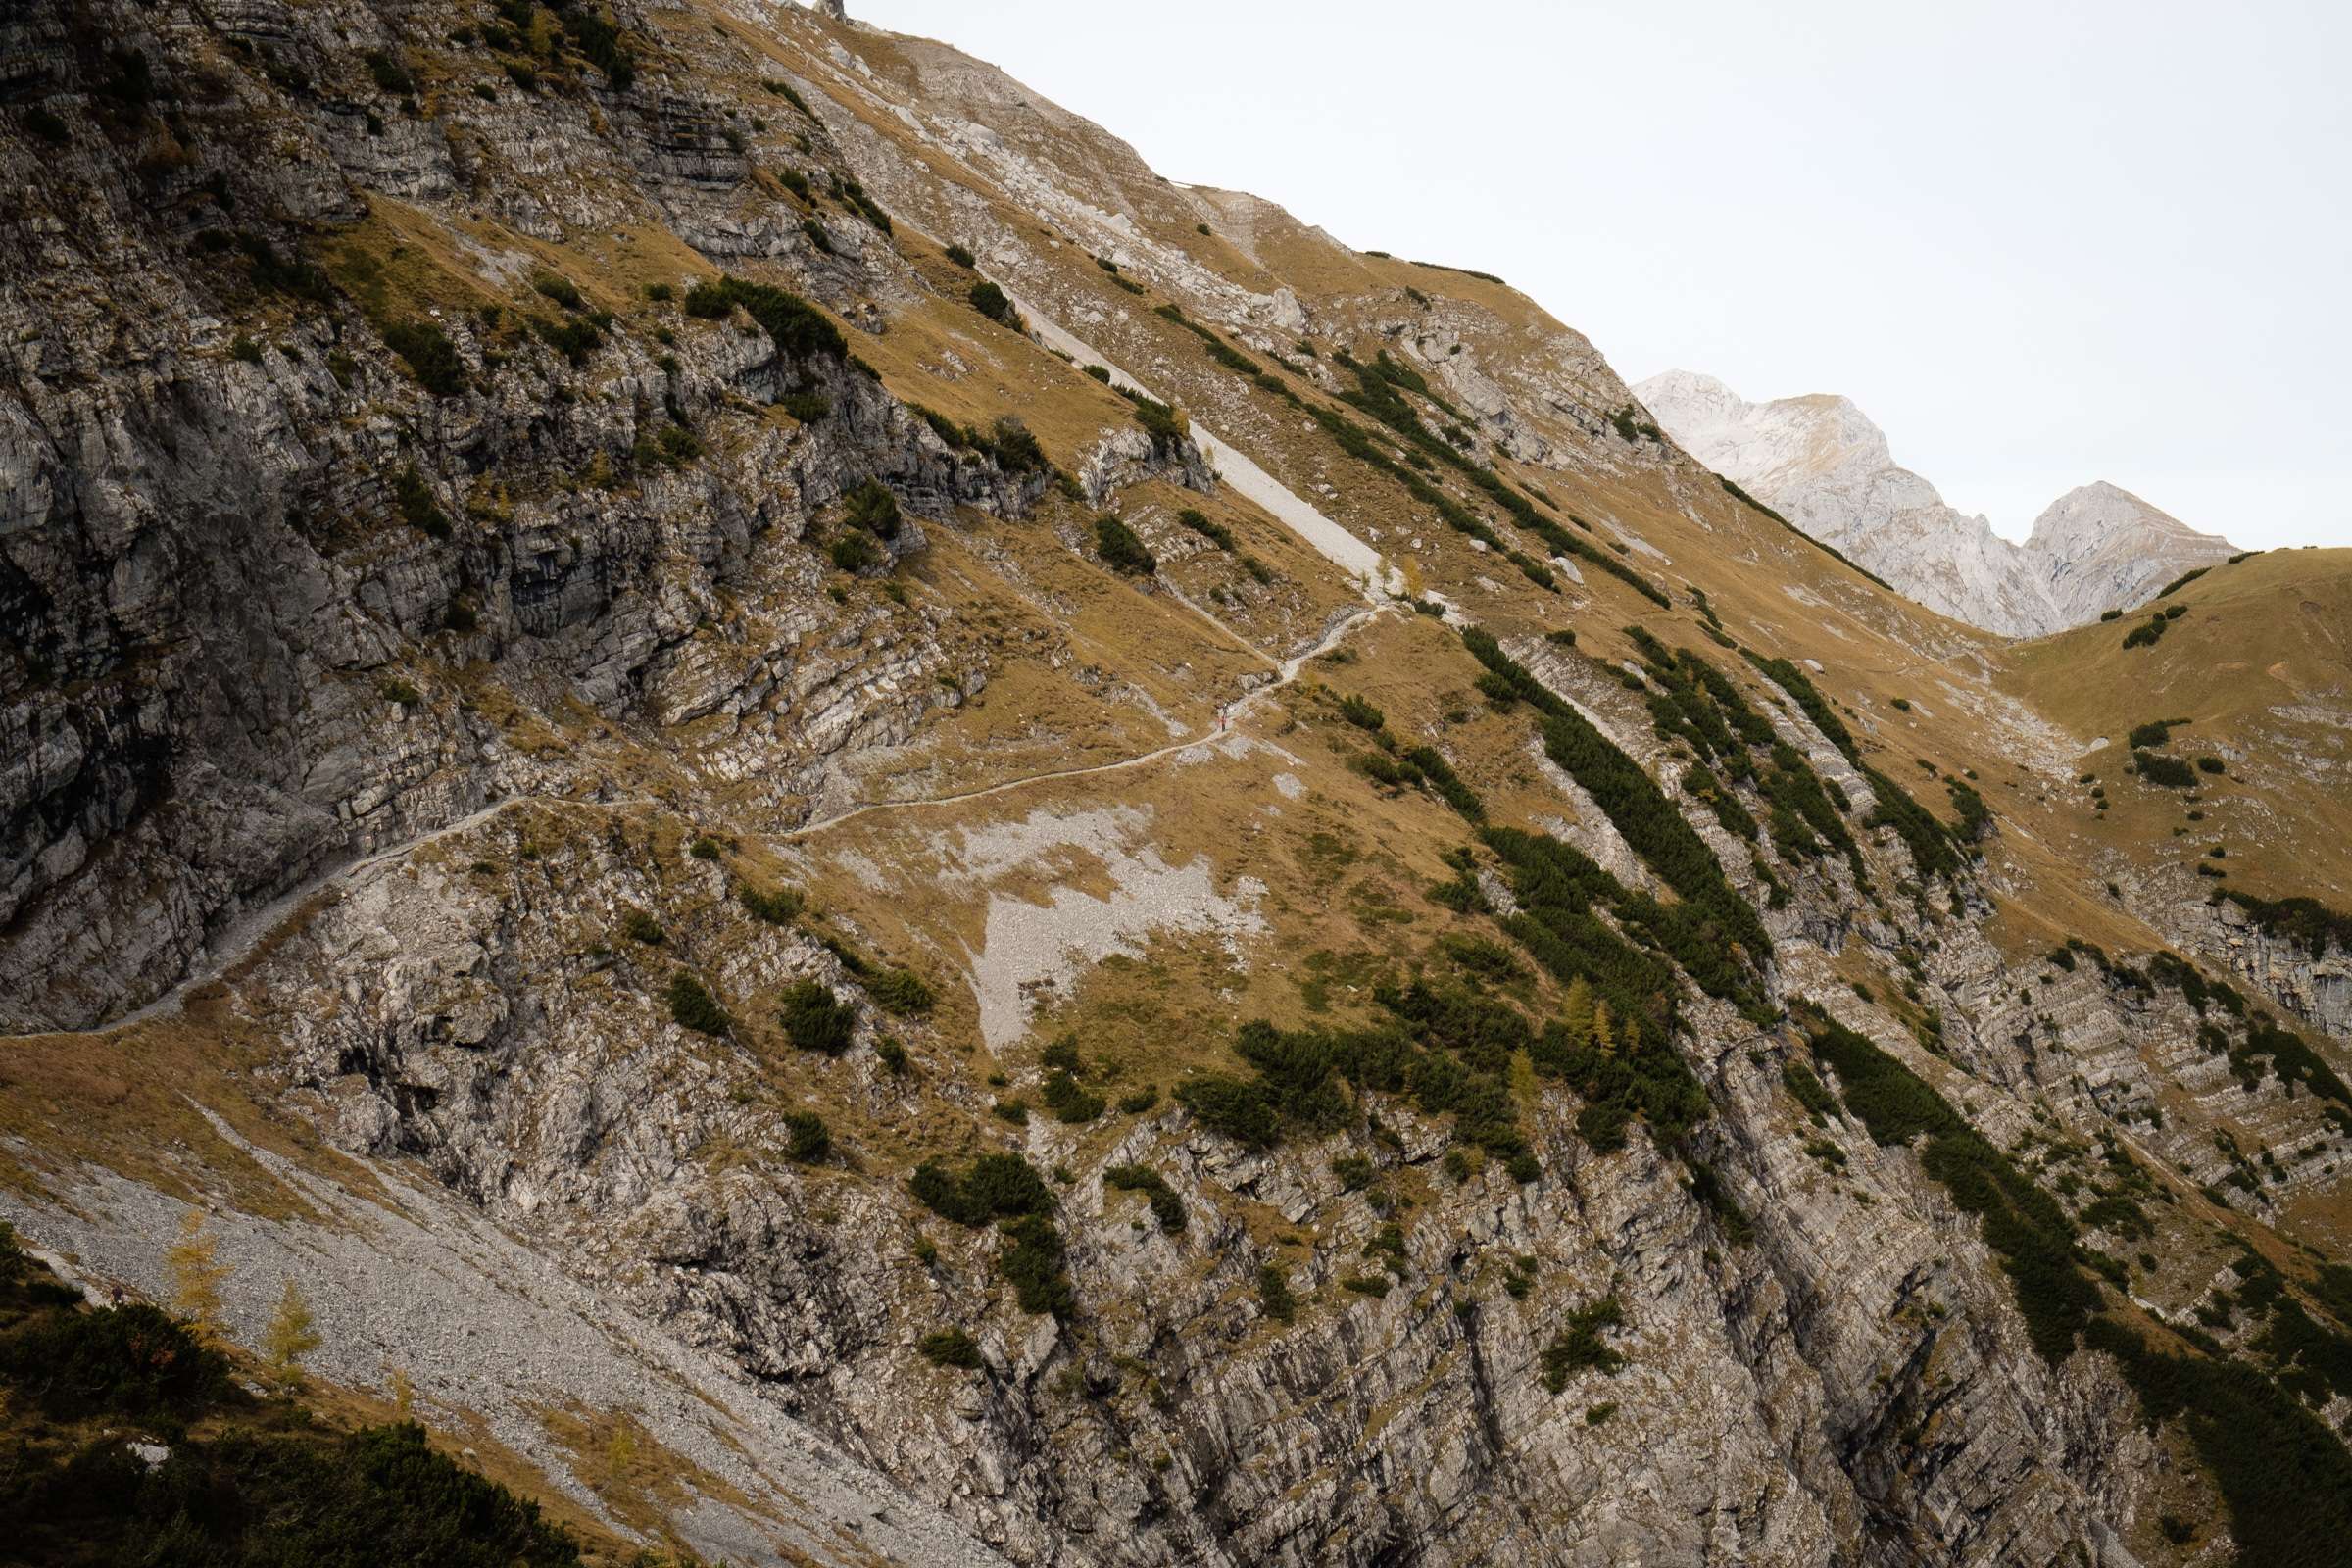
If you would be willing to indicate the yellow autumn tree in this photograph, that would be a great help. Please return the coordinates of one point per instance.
(293, 1334)
(1577, 1009)
(404, 1396)
(194, 1264)
(621, 1450)
(1604, 1031)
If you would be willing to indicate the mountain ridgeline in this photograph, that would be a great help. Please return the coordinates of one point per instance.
(759, 812)
(1820, 461)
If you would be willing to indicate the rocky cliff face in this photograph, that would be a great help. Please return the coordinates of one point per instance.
(2100, 548)
(1822, 461)
(643, 740)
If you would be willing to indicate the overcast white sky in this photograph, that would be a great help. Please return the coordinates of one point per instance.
(2040, 244)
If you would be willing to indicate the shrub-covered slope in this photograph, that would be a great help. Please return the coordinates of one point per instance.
(833, 807)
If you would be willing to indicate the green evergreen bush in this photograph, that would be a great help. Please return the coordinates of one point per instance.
(990, 301)
(692, 1006)
(814, 1019)
(950, 1347)
(1121, 550)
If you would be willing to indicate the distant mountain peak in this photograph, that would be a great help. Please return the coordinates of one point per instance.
(2102, 547)
(1828, 466)
(2100, 504)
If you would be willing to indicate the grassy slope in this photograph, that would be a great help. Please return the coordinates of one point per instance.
(2264, 650)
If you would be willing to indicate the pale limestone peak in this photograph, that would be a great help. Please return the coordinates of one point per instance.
(1824, 462)
(2101, 547)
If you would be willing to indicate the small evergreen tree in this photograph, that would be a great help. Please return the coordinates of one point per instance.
(874, 509)
(293, 1334)
(809, 1142)
(990, 301)
(692, 1006)
(1121, 550)
(854, 553)
(814, 1019)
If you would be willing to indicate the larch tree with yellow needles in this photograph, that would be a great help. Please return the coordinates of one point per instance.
(196, 1270)
(293, 1334)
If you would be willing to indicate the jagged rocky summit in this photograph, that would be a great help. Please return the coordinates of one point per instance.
(1820, 459)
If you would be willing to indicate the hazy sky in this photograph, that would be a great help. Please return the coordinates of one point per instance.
(2040, 244)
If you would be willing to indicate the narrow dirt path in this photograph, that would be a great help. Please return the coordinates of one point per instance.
(250, 930)
(1373, 577)
(1328, 539)
(1284, 673)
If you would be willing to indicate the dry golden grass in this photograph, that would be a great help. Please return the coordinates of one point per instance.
(2263, 653)
(640, 1481)
(135, 1101)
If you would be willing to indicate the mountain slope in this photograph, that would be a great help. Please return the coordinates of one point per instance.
(710, 719)
(1820, 459)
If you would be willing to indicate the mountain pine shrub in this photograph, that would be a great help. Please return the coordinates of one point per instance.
(853, 552)
(808, 1140)
(1121, 550)
(814, 1019)
(1216, 533)
(2168, 771)
(1068, 1099)
(431, 358)
(796, 326)
(1168, 428)
(1274, 1293)
(872, 508)
(1579, 1345)
(1033, 1263)
(561, 289)
(134, 1362)
(900, 993)
(950, 1347)
(852, 195)
(1166, 1208)
(778, 907)
(990, 301)
(991, 1187)
(692, 1006)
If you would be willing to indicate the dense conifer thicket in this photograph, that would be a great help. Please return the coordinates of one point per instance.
(247, 1482)
(1713, 932)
